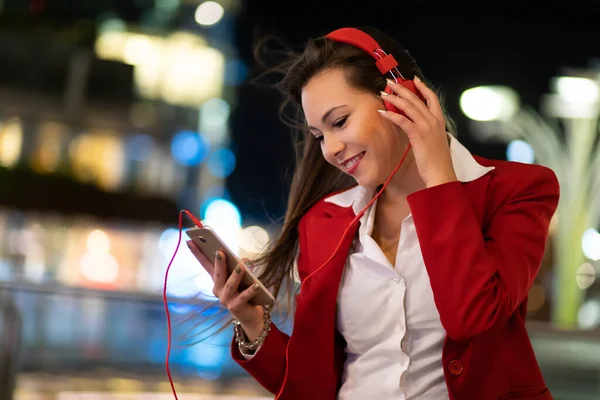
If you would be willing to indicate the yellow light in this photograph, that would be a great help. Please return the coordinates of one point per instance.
(47, 155)
(140, 49)
(180, 69)
(11, 142)
(576, 89)
(98, 158)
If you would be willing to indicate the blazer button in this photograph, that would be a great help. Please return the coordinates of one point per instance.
(455, 367)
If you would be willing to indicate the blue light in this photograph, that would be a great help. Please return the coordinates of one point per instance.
(520, 151)
(215, 192)
(221, 163)
(222, 211)
(189, 148)
(140, 146)
(225, 219)
(236, 72)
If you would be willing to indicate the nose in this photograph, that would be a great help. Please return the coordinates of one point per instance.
(332, 147)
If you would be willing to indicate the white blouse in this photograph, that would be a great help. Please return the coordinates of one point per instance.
(386, 313)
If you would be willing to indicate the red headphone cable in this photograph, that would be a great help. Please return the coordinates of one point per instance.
(165, 300)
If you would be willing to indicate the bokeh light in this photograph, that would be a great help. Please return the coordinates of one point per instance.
(209, 13)
(489, 103)
(189, 148)
(520, 151)
(221, 163)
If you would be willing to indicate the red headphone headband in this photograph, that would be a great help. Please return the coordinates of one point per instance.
(357, 38)
(386, 63)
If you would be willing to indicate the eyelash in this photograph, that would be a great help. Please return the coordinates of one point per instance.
(337, 124)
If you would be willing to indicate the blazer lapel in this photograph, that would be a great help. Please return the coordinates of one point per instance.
(311, 350)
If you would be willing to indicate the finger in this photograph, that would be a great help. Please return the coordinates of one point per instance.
(408, 94)
(407, 106)
(243, 298)
(221, 273)
(400, 120)
(206, 263)
(433, 102)
(230, 290)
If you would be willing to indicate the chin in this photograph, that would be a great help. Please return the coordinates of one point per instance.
(367, 182)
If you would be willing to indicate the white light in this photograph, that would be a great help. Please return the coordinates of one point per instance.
(187, 278)
(577, 90)
(590, 243)
(489, 103)
(225, 219)
(97, 264)
(214, 113)
(520, 151)
(209, 13)
(167, 242)
(99, 267)
(98, 242)
(140, 50)
(585, 276)
(254, 239)
(589, 314)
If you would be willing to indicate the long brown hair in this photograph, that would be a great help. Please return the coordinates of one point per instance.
(313, 177)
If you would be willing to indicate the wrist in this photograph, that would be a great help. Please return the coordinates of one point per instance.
(441, 178)
(250, 338)
(253, 328)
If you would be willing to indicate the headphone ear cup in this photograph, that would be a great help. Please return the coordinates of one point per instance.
(410, 85)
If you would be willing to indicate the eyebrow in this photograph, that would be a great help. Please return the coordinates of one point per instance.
(327, 114)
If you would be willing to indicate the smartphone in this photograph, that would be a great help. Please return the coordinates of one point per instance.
(209, 243)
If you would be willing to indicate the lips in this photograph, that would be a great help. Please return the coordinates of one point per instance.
(352, 163)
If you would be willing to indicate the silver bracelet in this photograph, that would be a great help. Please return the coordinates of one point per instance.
(241, 338)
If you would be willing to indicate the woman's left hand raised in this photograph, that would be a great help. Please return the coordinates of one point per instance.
(425, 127)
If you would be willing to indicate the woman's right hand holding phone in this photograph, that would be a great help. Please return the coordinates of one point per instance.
(225, 288)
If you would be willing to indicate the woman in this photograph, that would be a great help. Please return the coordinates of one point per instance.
(420, 294)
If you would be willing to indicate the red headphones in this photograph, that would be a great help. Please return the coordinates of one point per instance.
(386, 63)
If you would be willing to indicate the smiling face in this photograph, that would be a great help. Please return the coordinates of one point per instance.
(354, 137)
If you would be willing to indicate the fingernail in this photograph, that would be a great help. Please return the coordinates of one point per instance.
(188, 244)
(218, 256)
(417, 79)
(238, 269)
(255, 287)
(381, 111)
(391, 82)
(384, 93)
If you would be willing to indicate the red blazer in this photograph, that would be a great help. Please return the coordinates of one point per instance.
(482, 243)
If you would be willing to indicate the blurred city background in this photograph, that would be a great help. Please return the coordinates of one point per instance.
(117, 114)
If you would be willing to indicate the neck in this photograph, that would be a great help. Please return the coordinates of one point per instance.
(406, 181)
